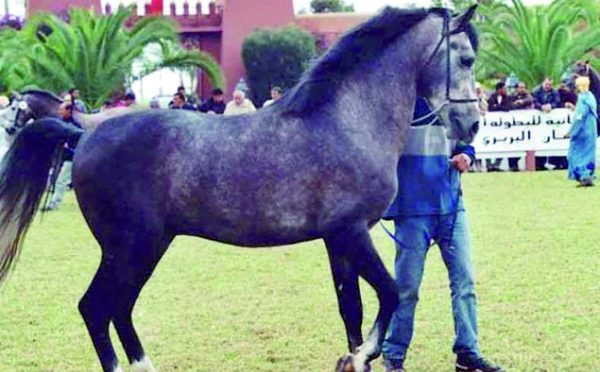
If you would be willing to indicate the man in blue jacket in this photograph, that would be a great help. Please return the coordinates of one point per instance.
(429, 207)
(65, 112)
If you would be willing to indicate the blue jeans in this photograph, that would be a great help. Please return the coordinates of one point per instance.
(414, 235)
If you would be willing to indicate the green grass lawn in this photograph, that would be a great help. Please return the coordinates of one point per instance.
(212, 307)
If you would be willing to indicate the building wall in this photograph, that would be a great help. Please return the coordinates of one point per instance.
(60, 6)
(222, 32)
(240, 18)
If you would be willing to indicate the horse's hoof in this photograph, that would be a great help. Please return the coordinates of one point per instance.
(346, 364)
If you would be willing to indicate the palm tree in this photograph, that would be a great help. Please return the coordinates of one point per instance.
(172, 56)
(539, 41)
(95, 54)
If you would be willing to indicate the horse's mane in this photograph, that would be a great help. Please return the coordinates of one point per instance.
(361, 45)
(43, 93)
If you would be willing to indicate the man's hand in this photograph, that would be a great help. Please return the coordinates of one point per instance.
(461, 162)
(547, 108)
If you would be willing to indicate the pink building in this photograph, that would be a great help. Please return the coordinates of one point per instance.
(222, 31)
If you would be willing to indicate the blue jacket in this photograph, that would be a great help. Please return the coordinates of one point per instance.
(69, 150)
(541, 97)
(428, 184)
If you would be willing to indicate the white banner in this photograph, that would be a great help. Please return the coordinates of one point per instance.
(523, 130)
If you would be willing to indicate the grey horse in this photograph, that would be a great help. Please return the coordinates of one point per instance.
(318, 164)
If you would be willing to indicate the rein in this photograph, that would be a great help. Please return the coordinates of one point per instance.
(446, 33)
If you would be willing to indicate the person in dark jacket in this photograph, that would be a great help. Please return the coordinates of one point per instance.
(499, 100)
(215, 104)
(545, 99)
(65, 112)
(180, 103)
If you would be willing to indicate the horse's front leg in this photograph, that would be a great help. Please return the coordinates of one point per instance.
(351, 254)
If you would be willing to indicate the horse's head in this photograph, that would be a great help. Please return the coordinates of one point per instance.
(26, 107)
(581, 68)
(447, 79)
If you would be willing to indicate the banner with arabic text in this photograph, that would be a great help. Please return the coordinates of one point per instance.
(523, 130)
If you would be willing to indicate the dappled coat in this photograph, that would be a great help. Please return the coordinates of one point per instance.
(583, 133)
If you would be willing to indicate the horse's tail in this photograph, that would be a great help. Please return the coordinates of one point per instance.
(23, 179)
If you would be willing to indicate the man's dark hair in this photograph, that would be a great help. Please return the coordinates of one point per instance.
(500, 85)
(216, 92)
(72, 90)
(180, 95)
(277, 89)
(130, 96)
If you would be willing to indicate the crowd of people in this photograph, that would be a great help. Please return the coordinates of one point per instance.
(215, 104)
(545, 99)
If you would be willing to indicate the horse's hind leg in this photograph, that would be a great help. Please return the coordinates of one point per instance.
(351, 252)
(127, 293)
(131, 251)
(96, 307)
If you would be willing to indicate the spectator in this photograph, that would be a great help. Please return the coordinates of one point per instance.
(118, 100)
(4, 102)
(155, 104)
(546, 98)
(239, 105)
(179, 102)
(483, 105)
(583, 133)
(215, 104)
(522, 100)
(429, 206)
(65, 112)
(188, 99)
(108, 104)
(276, 94)
(566, 95)
(77, 102)
(499, 100)
(129, 99)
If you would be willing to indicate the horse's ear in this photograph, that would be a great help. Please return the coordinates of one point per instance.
(465, 18)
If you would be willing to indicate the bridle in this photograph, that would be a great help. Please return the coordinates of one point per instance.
(17, 106)
(446, 33)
